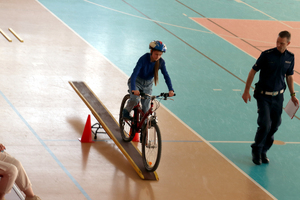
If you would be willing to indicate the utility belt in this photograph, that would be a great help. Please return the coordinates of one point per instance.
(275, 93)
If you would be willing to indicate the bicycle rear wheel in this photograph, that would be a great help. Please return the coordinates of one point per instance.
(127, 130)
(151, 147)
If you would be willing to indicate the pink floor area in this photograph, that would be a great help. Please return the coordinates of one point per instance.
(255, 36)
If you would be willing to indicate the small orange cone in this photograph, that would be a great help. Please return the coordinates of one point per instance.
(87, 132)
(136, 137)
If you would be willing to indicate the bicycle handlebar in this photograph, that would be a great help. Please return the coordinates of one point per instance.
(165, 95)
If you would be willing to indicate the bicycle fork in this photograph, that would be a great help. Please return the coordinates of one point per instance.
(151, 136)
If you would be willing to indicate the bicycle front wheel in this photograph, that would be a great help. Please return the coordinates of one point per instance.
(151, 147)
(127, 130)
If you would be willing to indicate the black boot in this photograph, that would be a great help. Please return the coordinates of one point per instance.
(264, 158)
(256, 158)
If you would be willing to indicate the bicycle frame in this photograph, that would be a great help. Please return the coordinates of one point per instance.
(138, 111)
(146, 124)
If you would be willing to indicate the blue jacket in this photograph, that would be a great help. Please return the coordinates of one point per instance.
(144, 69)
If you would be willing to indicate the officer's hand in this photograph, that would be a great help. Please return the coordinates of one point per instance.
(295, 100)
(171, 93)
(136, 92)
(246, 96)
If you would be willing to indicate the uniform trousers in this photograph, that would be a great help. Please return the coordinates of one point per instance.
(269, 119)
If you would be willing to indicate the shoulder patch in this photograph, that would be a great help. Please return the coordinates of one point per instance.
(269, 50)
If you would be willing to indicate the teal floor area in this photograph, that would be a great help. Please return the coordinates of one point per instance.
(280, 177)
(208, 97)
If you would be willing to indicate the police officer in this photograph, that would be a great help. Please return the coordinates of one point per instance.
(274, 65)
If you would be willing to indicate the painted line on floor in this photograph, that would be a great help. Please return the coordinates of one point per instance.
(104, 140)
(96, 4)
(60, 140)
(247, 142)
(292, 142)
(182, 141)
(107, 140)
(230, 141)
(239, 1)
(46, 147)
(210, 20)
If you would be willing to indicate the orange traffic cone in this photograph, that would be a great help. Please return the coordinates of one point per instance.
(136, 137)
(87, 132)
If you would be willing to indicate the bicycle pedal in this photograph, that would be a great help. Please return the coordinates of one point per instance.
(128, 119)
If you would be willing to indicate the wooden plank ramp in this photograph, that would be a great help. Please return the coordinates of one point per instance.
(111, 126)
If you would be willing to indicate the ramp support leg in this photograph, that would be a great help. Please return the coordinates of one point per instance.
(97, 129)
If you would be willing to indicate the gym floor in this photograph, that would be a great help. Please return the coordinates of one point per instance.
(207, 130)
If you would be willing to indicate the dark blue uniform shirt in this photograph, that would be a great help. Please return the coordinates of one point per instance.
(273, 66)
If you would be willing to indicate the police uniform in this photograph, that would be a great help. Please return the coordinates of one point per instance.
(274, 66)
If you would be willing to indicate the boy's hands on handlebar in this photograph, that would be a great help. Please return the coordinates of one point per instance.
(136, 92)
(171, 93)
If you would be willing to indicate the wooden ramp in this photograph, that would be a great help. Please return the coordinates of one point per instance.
(111, 126)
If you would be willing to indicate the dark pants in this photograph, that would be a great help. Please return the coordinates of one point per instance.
(269, 119)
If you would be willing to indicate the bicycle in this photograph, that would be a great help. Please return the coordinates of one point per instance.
(146, 123)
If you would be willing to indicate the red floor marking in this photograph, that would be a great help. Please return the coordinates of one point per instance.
(261, 34)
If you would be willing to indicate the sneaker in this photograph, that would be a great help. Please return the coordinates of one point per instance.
(33, 198)
(126, 114)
